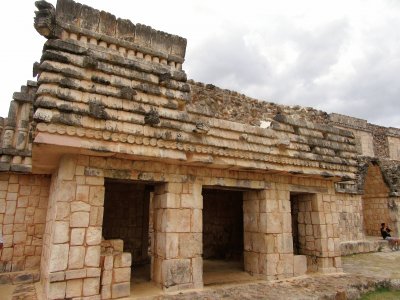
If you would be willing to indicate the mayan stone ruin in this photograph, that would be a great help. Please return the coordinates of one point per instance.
(114, 166)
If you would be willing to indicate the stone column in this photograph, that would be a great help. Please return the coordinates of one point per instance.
(177, 263)
(268, 244)
(325, 224)
(71, 254)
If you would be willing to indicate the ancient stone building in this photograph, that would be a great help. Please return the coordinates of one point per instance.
(114, 166)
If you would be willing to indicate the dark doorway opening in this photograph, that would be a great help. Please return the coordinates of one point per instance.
(294, 208)
(222, 235)
(127, 216)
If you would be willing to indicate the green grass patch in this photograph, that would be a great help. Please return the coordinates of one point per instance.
(381, 294)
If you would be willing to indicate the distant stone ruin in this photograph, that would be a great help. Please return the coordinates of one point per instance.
(113, 163)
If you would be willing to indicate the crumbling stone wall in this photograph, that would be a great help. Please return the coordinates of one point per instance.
(23, 208)
(222, 224)
(231, 105)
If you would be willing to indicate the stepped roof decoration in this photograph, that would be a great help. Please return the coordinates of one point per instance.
(109, 87)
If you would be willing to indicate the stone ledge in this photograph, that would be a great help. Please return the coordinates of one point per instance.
(20, 277)
(362, 246)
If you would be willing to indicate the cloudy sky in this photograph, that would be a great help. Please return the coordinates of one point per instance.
(338, 56)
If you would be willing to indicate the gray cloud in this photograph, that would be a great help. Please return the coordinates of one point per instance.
(368, 87)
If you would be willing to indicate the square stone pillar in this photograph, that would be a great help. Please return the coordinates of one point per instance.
(177, 261)
(319, 240)
(268, 243)
(71, 250)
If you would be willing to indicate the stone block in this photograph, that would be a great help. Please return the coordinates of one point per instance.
(66, 170)
(285, 264)
(190, 244)
(82, 193)
(61, 232)
(93, 272)
(58, 257)
(106, 291)
(65, 191)
(96, 195)
(6, 254)
(106, 277)
(77, 236)
(318, 218)
(80, 219)
(32, 262)
(121, 274)
(196, 222)
(96, 216)
(123, 260)
(192, 201)
(167, 244)
(108, 263)
(287, 223)
(172, 187)
(11, 207)
(251, 206)
(62, 211)
(175, 220)
(270, 264)
(92, 258)
(251, 222)
(285, 243)
(251, 262)
(74, 288)
(93, 236)
(272, 223)
(91, 180)
(269, 205)
(167, 200)
(79, 206)
(197, 270)
(175, 272)
(19, 215)
(76, 257)
(257, 242)
(56, 290)
(117, 244)
(91, 286)
(120, 290)
(73, 274)
(19, 237)
(57, 276)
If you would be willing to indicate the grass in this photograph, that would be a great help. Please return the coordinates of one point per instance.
(381, 294)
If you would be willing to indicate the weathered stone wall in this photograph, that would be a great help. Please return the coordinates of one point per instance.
(126, 217)
(16, 131)
(23, 208)
(73, 251)
(231, 105)
(376, 208)
(222, 224)
(394, 148)
(70, 263)
(350, 211)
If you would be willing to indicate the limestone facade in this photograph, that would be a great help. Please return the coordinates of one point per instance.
(113, 159)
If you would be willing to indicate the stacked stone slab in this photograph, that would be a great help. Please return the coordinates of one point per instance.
(16, 131)
(117, 95)
(115, 270)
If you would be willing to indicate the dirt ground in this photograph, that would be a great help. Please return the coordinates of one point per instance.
(362, 273)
